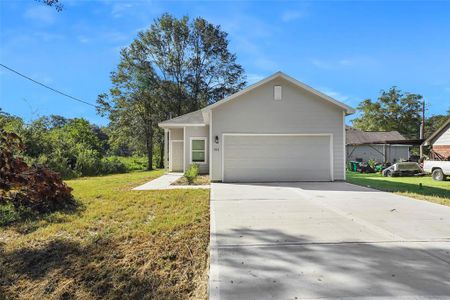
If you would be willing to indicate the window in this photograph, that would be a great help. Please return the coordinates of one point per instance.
(198, 150)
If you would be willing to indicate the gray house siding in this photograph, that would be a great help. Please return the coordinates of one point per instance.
(299, 112)
(190, 132)
(394, 153)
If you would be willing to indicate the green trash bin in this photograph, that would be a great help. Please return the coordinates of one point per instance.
(354, 165)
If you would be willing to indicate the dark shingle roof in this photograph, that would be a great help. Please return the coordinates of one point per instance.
(357, 137)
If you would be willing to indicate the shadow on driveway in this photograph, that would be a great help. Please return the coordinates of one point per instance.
(305, 268)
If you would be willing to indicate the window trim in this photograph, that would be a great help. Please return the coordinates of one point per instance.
(205, 139)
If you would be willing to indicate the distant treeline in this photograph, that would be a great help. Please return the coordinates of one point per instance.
(75, 147)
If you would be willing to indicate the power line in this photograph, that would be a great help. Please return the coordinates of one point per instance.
(48, 87)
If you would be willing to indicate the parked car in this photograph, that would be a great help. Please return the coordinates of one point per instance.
(403, 169)
(439, 169)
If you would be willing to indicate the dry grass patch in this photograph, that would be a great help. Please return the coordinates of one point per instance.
(199, 180)
(120, 244)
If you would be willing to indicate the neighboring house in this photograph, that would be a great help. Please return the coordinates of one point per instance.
(381, 146)
(440, 141)
(278, 129)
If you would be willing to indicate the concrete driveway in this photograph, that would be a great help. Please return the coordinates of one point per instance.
(328, 241)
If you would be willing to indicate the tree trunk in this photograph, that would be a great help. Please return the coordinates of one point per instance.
(149, 147)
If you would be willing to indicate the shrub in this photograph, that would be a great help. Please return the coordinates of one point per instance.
(27, 189)
(112, 165)
(372, 163)
(61, 164)
(191, 173)
(88, 162)
(132, 163)
(8, 214)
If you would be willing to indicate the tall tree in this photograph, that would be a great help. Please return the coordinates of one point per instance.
(174, 67)
(393, 110)
(134, 103)
(193, 61)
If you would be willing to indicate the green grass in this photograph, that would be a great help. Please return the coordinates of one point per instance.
(118, 244)
(424, 188)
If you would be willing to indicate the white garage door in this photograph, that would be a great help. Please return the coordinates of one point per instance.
(265, 158)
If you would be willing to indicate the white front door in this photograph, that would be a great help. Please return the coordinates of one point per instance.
(176, 156)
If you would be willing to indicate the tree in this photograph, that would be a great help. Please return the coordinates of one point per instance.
(174, 67)
(433, 123)
(54, 3)
(134, 100)
(195, 65)
(393, 110)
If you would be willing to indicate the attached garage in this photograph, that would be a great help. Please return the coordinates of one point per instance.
(277, 129)
(277, 157)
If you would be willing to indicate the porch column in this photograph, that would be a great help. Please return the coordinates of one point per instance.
(166, 149)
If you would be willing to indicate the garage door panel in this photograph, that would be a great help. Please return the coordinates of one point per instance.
(277, 158)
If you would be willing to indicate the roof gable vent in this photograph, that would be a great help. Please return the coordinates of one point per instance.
(277, 95)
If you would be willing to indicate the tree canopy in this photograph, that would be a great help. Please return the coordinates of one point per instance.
(393, 110)
(175, 67)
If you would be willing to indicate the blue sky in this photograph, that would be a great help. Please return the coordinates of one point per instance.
(349, 50)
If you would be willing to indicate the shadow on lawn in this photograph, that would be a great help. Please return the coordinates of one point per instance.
(266, 269)
(64, 269)
(30, 221)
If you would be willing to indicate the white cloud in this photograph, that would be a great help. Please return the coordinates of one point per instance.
(42, 14)
(337, 95)
(342, 63)
(253, 78)
(291, 15)
(83, 39)
(119, 8)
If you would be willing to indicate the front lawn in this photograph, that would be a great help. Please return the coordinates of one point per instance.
(119, 244)
(424, 188)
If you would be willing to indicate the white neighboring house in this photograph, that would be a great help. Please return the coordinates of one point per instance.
(440, 142)
(278, 129)
(381, 146)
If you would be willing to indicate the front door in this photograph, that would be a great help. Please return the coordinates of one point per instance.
(176, 157)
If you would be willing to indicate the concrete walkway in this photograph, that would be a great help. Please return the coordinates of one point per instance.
(164, 183)
(327, 241)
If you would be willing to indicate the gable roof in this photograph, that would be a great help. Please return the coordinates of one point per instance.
(438, 132)
(195, 118)
(357, 137)
(199, 117)
(348, 110)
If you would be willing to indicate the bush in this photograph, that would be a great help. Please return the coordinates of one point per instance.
(60, 163)
(8, 214)
(88, 162)
(112, 165)
(27, 189)
(191, 173)
(132, 163)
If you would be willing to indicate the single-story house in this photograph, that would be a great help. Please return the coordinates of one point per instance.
(381, 146)
(440, 142)
(277, 129)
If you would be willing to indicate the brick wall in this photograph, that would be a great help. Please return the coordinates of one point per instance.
(443, 150)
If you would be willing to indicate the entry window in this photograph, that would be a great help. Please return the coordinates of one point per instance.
(198, 150)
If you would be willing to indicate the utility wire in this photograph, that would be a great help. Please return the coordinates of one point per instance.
(46, 86)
